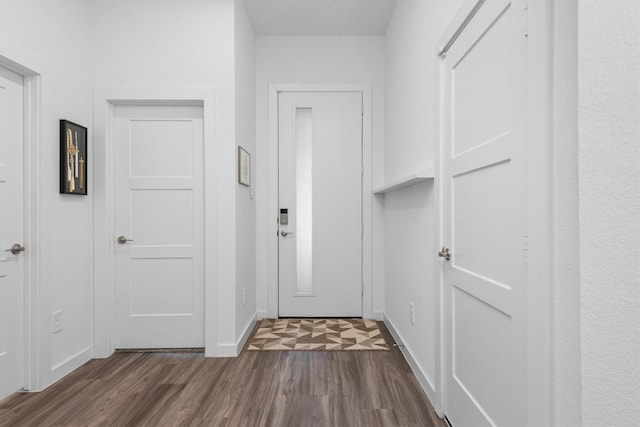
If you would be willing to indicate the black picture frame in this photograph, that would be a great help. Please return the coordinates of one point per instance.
(73, 158)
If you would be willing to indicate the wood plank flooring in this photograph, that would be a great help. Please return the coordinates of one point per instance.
(275, 388)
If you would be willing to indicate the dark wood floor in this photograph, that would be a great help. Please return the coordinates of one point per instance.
(284, 388)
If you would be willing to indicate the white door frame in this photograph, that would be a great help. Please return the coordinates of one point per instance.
(103, 160)
(36, 367)
(274, 90)
(539, 241)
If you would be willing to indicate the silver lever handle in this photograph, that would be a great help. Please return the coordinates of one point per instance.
(16, 248)
(444, 253)
(122, 240)
(285, 233)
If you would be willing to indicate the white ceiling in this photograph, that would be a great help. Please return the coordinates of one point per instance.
(320, 17)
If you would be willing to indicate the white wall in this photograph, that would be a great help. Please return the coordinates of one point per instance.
(245, 92)
(80, 45)
(410, 130)
(609, 210)
(54, 36)
(566, 287)
(316, 60)
(596, 213)
(177, 44)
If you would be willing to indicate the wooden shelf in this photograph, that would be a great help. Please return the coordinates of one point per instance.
(412, 179)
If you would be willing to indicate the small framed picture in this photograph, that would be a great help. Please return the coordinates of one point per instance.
(73, 158)
(244, 167)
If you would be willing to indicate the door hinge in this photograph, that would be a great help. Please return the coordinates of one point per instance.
(362, 109)
(525, 17)
(362, 170)
(362, 230)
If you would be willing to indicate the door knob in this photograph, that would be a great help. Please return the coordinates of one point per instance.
(122, 240)
(16, 248)
(444, 253)
(285, 233)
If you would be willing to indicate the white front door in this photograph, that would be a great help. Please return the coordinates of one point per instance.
(159, 300)
(320, 200)
(484, 192)
(11, 233)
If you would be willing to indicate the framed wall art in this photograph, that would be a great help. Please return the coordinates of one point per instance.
(244, 167)
(73, 158)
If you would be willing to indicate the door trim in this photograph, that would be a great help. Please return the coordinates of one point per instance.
(539, 352)
(36, 366)
(367, 242)
(104, 101)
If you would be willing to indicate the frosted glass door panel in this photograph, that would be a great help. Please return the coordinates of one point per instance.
(304, 201)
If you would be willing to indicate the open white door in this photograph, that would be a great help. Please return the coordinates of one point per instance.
(484, 195)
(160, 226)
(320, 199)
(11, 234)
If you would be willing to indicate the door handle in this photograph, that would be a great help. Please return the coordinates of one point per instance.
(122, 240)
(285, 233)
(444, 253)
(16, 248)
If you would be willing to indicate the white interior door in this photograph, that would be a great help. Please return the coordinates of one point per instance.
(159, 300)
(484, 192)
(320, 190)
(11, 233)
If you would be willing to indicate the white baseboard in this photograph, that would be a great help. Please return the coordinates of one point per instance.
(233, 350)
(226, 350)
(424, 382)
(69, 365)
(375, 315)
(378, 315)
(246, 334)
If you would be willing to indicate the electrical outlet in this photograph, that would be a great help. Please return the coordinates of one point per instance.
(244, 297)
(412, 313)
(57, 321)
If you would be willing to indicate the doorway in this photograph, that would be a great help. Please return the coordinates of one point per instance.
(159, 223)
(320, 199)
(12, 233)
(485, 217)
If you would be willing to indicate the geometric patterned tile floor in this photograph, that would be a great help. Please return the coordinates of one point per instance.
(318, 335)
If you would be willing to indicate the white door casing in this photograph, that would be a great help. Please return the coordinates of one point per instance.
(485, 218)
(11, 232)
(320, 185)
(159, 279)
